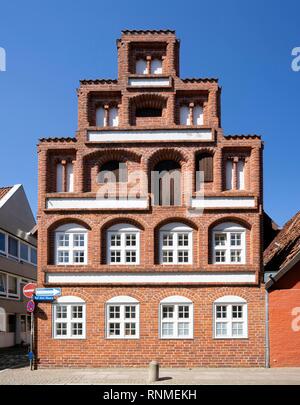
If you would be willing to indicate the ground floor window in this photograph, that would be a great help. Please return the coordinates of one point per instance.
(176, 318)
(69, 318)
(122, 318)
(230, 318)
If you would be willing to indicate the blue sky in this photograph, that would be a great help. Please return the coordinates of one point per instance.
(51, 45)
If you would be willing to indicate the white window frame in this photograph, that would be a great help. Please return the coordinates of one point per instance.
(122, 302)
(20, 241)
(229, 301)
(123, 230)
(228, 229)
(175, 302)
(175, 229)
(69, 302)
(71, 230)
(4, 252)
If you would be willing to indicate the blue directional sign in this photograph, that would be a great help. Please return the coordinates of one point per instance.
(44, 298)
(48, 292)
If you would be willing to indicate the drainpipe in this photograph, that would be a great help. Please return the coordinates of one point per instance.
(267, 343)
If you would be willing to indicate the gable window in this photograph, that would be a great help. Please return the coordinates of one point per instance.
(229, 244)
(71, 245)
(191, 114)
(176, 244)
(69, 318)
(185, 115)
(235, 173)
(148, 112)
(156, 66)
(123, 244)
(176, 318)
(64, 177)
(141, 67)
(13, 247)
(122, 318)
(230, 318)
(167, 183)
(100, 117)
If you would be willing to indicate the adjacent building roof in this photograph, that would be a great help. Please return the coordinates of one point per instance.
(141, 32)
(4, 191)
(285, 247)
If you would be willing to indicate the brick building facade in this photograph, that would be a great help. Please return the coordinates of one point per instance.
(150, 220)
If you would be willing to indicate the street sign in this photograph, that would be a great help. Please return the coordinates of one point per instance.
(40, 298)
(48, 292)
(28, 289)
(30, 306)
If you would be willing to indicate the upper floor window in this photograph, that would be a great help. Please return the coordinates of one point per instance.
(191, 114)
(229, 244)
(113, 171)
(176, 244)
(167, 183)
(71, 245)
(122, 318)
(176, 318)
(204, 166)
(64, 177)
(235, 174)
(230, 318)
(3, 243)
(123, 244)
(156, 66)
(141, 67)
(107, 116)
(69, 318)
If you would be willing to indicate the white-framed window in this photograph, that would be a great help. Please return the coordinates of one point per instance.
(185, 115)
(198, 115)
(69, 318)
(100, 117)
(3, 243)
(176, 318)
(122, 318)
(3, 284)
(71, 242)
(123, 244)
(13, 247)
(229, 244)
(113, 117)
(16, 249)
(230, 318)
(176, 244)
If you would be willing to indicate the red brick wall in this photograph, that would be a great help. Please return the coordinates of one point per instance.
(201, 351)
(284, 320)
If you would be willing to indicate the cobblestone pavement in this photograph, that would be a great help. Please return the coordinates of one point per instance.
(23, 376)
(13, 357)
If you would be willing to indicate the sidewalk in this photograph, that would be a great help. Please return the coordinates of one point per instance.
(201, 376)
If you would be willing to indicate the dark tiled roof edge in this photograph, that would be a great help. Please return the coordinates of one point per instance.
(243, 136)
(134, 32)
(98, 81)
(68, 139)
(199, 79)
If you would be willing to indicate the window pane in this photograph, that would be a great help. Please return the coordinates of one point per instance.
(2, 242)
(12, 246)
(167, 256)
(183, 311)
(79, 256)
(24, 251)
(168, 239)
(114, 329)
(130, 329)
(115, 256)
(130, 312)
(183, 329)
(221, 329)
(183, 239)
(220, 239)
(77, 329)
(115, 240)
(2, 283)
(63, 256)
(63, 240)
(220, 256)
(61, 328)
(61, 311)
(78, 239)
(11, 323)
(235, 239)
(167, 311)
(167, 329)
(33, 256)
(237, 329)
(183, 256)
(131, 256)
(77, 311)
(114, 312)
(221, 311)
(237, 311)
(12, 285)
(235, 256)
(130, 240)
(23, 323)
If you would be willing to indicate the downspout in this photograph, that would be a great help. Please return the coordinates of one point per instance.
(267, 343)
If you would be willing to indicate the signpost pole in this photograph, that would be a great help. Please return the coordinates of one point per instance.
(31, 339)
